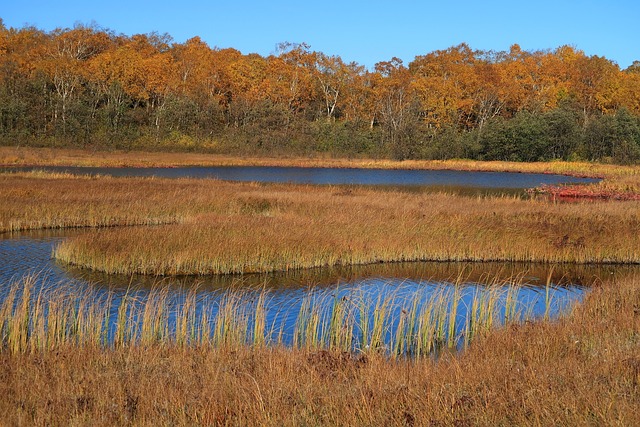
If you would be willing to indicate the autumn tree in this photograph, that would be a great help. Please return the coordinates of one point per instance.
(487, 91)
(90, 85)
(22, 98)
(360, 98)
(630, 88)
(520, 80)
(203, 80)
(596, 84)
(246, 74)
(443, 81)
(66, 55)
(292, 76)
(397, 106)
(334, 78)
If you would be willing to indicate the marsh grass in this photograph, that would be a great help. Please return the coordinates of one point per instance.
(308, 227)
(59, 364)
(619, 181)
(69, 157)
(394, 320)
(37, 200)
(580, 369)
(212, 227)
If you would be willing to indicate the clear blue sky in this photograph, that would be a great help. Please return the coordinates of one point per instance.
(362, 31)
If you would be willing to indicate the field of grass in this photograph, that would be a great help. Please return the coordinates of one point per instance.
(580, 370)
(260, 228)
(55, 369)
(622, 182)
(24, 156)
(214, 227)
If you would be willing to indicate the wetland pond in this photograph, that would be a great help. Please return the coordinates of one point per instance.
(526, 291)
(517, 291)
(460, 182)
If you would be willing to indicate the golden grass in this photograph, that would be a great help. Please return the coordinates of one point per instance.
(24, 156)
(619, 181)
(262, 228)
(580, 370)
(219, 227)
(394, 321)
(38, 200)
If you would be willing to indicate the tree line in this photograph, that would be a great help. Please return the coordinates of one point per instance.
(88, 86)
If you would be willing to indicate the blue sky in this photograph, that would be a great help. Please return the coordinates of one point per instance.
(362, 31)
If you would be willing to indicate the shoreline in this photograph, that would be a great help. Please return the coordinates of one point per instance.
(33, 157)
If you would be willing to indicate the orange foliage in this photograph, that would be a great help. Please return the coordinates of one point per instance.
(457, 87)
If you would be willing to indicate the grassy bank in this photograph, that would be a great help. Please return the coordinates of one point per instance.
(27, 156)
(42, 200)
(581, 370)
(266, 228)
(219, 227)
(618, 180)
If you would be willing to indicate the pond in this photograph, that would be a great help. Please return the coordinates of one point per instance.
(432, 303)
(290, 301)
(461, 182)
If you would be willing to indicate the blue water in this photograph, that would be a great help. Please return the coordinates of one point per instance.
(30, 253)
(27, 254)
(439, 180)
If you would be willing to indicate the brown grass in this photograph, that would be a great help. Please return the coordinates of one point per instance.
(582, 370)
(221, 227)
(41, 200)
(249, 228)
(621, 182)
(24, 156)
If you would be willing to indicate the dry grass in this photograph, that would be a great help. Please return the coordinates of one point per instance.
(262, 228)
(220, 227)
(39, 200)
(393, 320)
(621, 182)
(582, 370)
(17, 156)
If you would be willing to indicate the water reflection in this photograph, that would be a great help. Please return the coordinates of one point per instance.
(533, 275)
(541, 289)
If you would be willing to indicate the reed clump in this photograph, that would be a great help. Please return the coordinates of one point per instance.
(393, 320)
(579, 370)
(38, 200)
(214, 227)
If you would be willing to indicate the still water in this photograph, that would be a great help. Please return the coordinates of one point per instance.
(544, 290)
(465, 182)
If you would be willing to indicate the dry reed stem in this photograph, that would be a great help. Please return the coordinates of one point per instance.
(396, 322)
